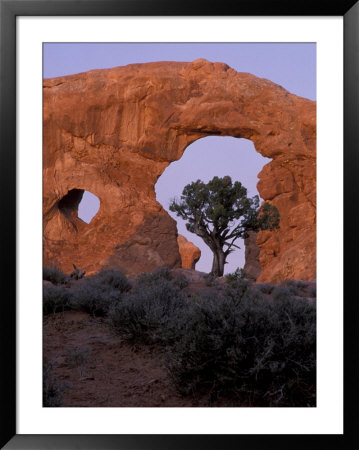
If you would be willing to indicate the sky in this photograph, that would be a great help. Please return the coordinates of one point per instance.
(291, 65)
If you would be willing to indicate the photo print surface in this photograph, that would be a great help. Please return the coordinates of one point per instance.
(179, 218)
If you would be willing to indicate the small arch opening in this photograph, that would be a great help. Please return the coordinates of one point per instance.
(205, 158)
(69, 204)
(79, 204)
(88, 207)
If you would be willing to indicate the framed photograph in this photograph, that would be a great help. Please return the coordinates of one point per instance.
(149, 328)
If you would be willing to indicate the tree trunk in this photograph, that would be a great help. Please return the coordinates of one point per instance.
(219, 260)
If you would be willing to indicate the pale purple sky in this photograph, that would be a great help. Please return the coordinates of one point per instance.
(292, 65)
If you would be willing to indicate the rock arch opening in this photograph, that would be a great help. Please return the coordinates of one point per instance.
(69, 204)
(205, 158)
(79, 204)
(119, 142)
(88, 207)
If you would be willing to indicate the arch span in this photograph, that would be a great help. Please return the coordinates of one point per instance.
(205, 158)
(118, 129)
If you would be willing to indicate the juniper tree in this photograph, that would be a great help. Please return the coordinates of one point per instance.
(220, 212)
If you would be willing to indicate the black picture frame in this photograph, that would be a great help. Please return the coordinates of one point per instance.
(9, 10)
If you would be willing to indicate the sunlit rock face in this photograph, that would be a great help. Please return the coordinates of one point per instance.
(189, 252)
(113, 132)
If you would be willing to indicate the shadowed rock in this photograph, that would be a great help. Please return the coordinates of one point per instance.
(252, 267)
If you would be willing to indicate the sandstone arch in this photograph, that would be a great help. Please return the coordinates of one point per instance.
(113, 132)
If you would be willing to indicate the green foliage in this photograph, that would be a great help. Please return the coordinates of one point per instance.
(54, 274)
(267, 218)
(219, 202)
(56, 299)
(220, 213)
(238, 274)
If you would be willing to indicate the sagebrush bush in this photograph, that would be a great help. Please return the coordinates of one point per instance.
(96, 294)
(54, 274)
(56, 299)
(52, 389)
(266, 288)
(237, 288)
(313, 291)
(260, 351)
(95, 299)
(283, 292)
(161, 275)
(296, 287)
(210, 280)
(238, 274)
(112, 278)
(148, 314)
(249, 343)
(77, 356)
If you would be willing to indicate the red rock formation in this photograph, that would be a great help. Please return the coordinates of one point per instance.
(190, 254)
(113, 132)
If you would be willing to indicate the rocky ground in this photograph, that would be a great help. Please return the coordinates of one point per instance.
(94, 367)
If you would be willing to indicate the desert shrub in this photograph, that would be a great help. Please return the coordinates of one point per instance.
(54, 274)
(94, 298)
(312, 291)
(258, 351)
(283, 292)
(296, 287)
(238, 274)
(210, 280)
(266, 288)
(158, 275)
(253, 294)
(180, 281)
(52, 389)
(161, 275)
(96, 294)
(148, 314)
(76, 357)
(56, 299)
(237, 288)
(112, 278)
